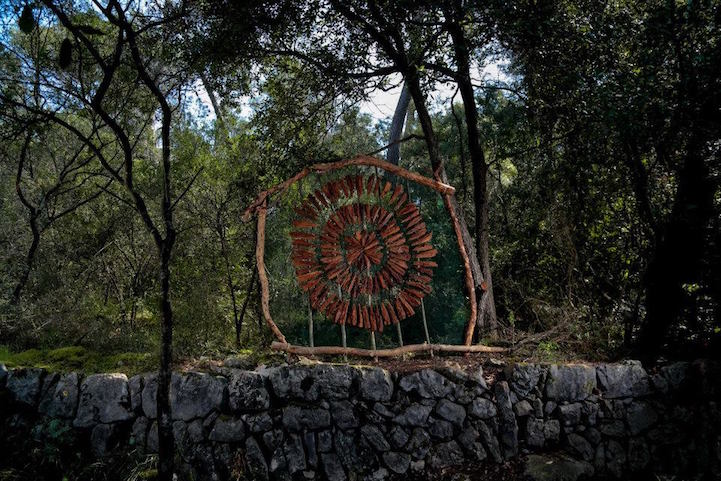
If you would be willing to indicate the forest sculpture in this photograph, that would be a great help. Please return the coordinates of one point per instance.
(362, 253)
(565, 155)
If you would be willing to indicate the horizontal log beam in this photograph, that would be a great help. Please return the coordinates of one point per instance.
(398, 351)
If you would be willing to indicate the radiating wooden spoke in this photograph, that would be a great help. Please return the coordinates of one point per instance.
(362, 252)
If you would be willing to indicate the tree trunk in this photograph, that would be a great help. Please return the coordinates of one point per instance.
(461, 152)
(399, 120)
(166, 442)
(213, 101)
(248, 295)
(29, 260)
(484, 285)
(679, 251)
(229, 279)
(33, 216)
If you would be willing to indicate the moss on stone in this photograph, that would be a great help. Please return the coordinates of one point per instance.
(77, 358)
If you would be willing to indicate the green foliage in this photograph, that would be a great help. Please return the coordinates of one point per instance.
(548, 351)
(600, 135)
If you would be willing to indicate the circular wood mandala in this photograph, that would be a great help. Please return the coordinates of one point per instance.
(362, 252)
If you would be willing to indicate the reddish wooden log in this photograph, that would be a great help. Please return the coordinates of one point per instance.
(398, 351)
(262, 277)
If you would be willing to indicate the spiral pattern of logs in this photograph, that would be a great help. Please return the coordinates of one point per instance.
(362, 252)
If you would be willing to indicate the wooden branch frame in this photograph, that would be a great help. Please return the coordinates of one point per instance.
(259, 207)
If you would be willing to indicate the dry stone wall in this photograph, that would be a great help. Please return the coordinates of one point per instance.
(339, 422)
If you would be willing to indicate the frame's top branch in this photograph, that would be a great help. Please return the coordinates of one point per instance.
(361, 160)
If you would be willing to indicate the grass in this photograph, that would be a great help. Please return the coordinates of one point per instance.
(78, 358)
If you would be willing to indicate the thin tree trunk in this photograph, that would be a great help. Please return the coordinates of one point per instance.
(631, 321)
(229, 279)
(33, 217)
(213, 101)
(248, 295)
(29, 260)
(133, 311)
(461, 153)
(166, 441)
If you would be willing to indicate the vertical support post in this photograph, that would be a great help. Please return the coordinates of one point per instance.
(373, 333)
(425, 325)
(311, 339)
(400, 333)
(343, 341)
(342, 331)
(310, 324)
